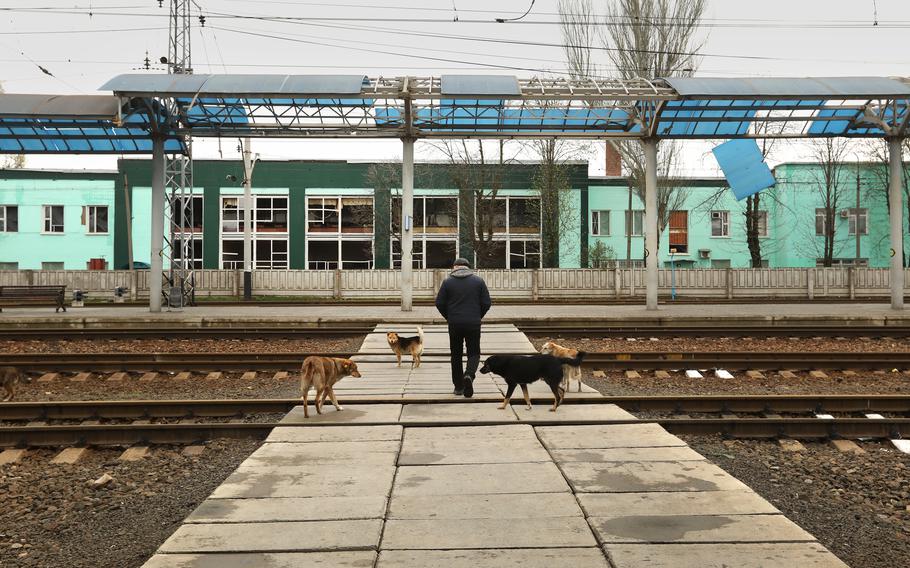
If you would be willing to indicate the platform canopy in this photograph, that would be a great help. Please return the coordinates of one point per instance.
(504, 106)
(82, 124)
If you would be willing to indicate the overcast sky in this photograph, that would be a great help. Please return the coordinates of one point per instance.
(83, 43)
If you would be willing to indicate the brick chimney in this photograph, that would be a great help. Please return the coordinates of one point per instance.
(614, 161)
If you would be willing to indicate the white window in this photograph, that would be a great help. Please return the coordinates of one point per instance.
(51, 266)
(231, 214)
(322, 214)
(634, 223)
(9, 219)
(720, 223)
(820, 215)
(191, 215)
(95, 219)
(524, 254)
(863, 221)
(53, 218)
(600, 223)
(762, 223)
(191, 249)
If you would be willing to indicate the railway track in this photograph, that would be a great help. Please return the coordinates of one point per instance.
(204, 419)
(234, 361)
(564, 329)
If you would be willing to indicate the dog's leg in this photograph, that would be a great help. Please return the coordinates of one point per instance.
(320, 396)
(398, 355)
(306, 391)
(509, 391)
(578, 377)
(558, 394)
(524, 390)
(331, 392)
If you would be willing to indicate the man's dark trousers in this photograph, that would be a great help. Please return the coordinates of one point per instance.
(459, 335)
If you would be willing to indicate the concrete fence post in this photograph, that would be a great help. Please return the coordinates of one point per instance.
(729, 282)
(631, 282)
(851, 280)
(535, 285)
(235, 282)
(617, 282)
(336, 286)
(134, 285)
(810, 278)
(29, 277)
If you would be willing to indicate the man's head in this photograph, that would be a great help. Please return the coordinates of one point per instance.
(461, 263)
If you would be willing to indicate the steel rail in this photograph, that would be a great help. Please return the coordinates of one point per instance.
(151, 409)
(127, 434)
(289, 361)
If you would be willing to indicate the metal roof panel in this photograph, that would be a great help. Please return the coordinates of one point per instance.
(498, 85)
(59, 106)
(796, 87)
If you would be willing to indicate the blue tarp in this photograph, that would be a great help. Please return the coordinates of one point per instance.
(744, 167)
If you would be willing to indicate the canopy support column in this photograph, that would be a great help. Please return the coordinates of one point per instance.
(157, 258)
(896, 214)
(247, 222)
(651, 222)
(407, 224)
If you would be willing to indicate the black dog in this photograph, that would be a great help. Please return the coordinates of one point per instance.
(525, 369)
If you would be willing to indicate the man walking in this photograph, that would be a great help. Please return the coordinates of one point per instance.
(463, 300)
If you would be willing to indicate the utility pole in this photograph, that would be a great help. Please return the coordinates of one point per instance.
(856, 224)
(248, 165)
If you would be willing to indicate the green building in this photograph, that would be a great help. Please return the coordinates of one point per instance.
(338, 214)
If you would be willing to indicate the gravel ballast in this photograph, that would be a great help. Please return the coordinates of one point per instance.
(857, 505)
(318, 344)
(52, 516)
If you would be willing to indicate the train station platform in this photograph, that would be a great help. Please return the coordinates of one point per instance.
(706, 314)
(462, 484)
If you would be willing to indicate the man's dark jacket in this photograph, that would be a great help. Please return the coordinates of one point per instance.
(463, 298)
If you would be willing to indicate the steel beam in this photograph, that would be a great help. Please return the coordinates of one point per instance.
(651, 221)
(407, 224)
(157, 259)
(896, 214)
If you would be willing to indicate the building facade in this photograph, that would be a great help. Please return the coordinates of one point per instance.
(334, 214)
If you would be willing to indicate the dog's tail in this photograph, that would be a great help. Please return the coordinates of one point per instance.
(576, 362)
(420, 333)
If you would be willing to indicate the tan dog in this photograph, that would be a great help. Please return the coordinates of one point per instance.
(10, 377)
(323, 373)
(412, 345)
(569, 372)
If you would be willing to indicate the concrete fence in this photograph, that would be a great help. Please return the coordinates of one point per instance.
(553, 283)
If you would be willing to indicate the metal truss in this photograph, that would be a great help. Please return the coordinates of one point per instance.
(179, 280)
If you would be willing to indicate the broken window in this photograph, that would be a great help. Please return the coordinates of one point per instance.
(9, 218)
(322, 255)
(271, 254)
(524, 254)
(53, 218)
(441, 214)
(231, 214)
(322, 215)
(271, 214)
(491, 254)
(416, 254)
(440, 254)
(524, 215)
(356, 254)
(97, 219)
(231, 254)
(356, 215)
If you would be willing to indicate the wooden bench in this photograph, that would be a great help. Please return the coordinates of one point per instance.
(20, 295)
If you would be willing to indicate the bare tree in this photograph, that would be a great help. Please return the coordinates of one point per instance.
(830, 181)
(654, 38)
(558, 215)
(879, 153)
(578, 36)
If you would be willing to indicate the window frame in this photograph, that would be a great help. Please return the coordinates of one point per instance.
(725, 224)
(852, 220)
(763, 216)
(48, 220)
(4, 218)
(91, 213)
(820, 221)
(630, 216)
(600, 214)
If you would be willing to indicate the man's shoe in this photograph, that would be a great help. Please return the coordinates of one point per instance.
(468, 386)
(458, 391)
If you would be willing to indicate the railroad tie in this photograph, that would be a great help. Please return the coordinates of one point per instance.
(134, 453)
(280, 375)
(752, 374)
(69, 456)
(193, 451)
(789, 445)
(249, 376)
(787, 375)
(48, 377)
(80, 377)
(848, 446)
(148, 377)
(818, 374)
(12, 456)
(213, 376)
(632, 375)
(693, 374)
(663, 375)
(848, 373)
(116, 377)
(723, 374)
(183, 375)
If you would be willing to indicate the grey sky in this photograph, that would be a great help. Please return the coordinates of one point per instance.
(774, 38)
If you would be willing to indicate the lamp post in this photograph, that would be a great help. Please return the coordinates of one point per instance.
(672, 274)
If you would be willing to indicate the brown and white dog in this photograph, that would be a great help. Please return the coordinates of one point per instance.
(323, 373)
(412, 345)
(10, 377)
(569, 372)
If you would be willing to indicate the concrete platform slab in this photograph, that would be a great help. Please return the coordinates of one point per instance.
(453, 451)
(607, 436)
(698, 528)
(603, 455)
(482, 479)
(574, 412)
(778, 555)
(359, 559)
(354, 414)
(319, 480)
(475, 413)
(335, 434)
(511, 558)
(275, 537)
(502, 431)
(648, 476)
(507, 506)
(450, 534)
(275, 510)
(675, 503)
(313, 453)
